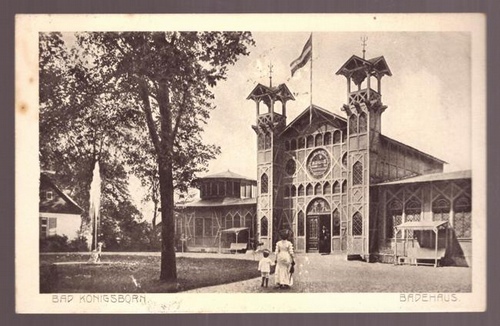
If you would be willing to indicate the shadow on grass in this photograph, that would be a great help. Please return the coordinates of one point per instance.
(138, 274)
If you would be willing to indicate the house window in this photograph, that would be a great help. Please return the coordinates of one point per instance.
(344, 186)
(43, 227)
(441, 209)
(357, 173)
(207, 227)
(263, 226)
(49, 195)
(336, 223)
(301, 190)
(287, 145)
(300, 224)
(293, 191)
(344, 160)
(198, 227)
(462, 219)
(394, 217)
(357, 224)
(264, 184)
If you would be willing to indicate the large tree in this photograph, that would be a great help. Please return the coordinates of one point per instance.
(169, 77)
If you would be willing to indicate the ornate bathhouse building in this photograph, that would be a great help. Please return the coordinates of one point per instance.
(379, 199)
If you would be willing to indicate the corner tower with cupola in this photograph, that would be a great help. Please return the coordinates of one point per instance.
(271, 121)
(363, 110)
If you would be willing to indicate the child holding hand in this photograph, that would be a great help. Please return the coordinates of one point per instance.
(265, 267)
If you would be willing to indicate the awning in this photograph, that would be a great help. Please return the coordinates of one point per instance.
(234, 230)
(421, 225)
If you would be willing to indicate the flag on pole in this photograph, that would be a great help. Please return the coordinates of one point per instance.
(95, 203)
(305, 56)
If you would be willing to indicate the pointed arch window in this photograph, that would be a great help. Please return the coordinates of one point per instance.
(336, 223)
(287, 145)
(394, 217)
(328, 138)
(237, 221)
(264, 184)
(300, 224)
(336, 187)
(317, 189)
(362, 122)
(318, 141)
(353, 124)
(441, 209)
(264, 227)
(344, 160)
(293, 191)
(228, 222)
(249, 224)
(309, 190)
(413, 210)
(300, 191)
(357, 224)
(327, 189)
(344, 186)
(357, 173)
(462, 218)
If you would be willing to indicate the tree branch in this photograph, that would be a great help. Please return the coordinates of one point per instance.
(180, 113)
(144, 95)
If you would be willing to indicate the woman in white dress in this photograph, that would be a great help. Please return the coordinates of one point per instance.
(284, 261)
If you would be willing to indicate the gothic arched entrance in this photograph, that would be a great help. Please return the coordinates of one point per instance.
(318, 216)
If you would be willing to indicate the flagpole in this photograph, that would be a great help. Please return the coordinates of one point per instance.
(311, 82)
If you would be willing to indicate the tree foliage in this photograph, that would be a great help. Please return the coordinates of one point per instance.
(139, 99)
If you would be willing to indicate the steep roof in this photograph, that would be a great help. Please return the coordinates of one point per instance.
(301, 122)
(71, 206)
(466, 174)
(390, 140)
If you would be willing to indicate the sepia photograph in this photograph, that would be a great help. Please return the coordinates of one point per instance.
(206, 163)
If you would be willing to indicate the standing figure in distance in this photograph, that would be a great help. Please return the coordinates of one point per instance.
(265, 267)
(324, 241)
(284, 261)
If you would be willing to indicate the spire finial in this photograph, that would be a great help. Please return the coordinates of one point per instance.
(363, 44)
(270, 75)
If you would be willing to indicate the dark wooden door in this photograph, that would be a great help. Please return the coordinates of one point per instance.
(312, 233)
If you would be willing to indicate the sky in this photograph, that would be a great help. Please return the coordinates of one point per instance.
(428, 95)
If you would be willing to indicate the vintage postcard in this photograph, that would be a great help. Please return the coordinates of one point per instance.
(250, 163)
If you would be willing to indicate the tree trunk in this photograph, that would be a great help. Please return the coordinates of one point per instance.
(168, 264)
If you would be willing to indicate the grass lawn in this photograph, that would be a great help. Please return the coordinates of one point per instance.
(137, 274)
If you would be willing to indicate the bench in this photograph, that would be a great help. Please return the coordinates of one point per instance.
(235, 247)
(422, 256)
